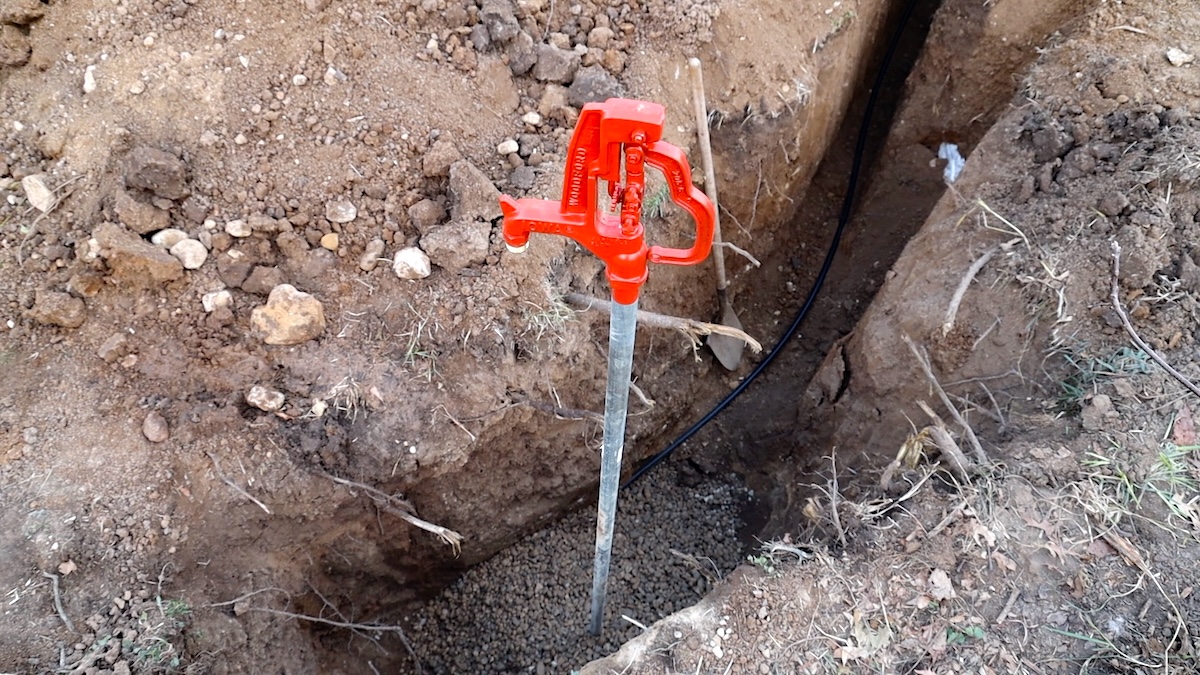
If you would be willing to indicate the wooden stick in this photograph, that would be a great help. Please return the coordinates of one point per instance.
(689, 327)
(710, 176)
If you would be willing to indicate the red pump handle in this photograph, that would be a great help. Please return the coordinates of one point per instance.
(611, 135)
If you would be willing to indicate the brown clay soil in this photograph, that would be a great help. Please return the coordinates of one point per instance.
(196, 479)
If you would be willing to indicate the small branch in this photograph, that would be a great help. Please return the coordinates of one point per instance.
(236, 488)
(694, 330)
(835, 496)
(456, 422)
(402, 509)
(1137, 339)
(381, 628)
(960, 466)
(740, 251)
(963, 285)
(923, 361)
(62, 614)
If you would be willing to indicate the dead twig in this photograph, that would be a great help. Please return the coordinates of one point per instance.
(62, 614)
(1137, 339)
(402, 509)
(963, 285)
(834, 497)
(236, 488)
(740, 251)
(456, 422)
(377, 627)
(923, 361)
(691, 328)
(960, 466)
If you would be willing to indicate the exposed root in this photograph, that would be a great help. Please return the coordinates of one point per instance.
(58, 606)
(963, 285)
(402, 509)
(923, 361)
(1137, 339)
(692, 329)
(559, 412)
(236, 488)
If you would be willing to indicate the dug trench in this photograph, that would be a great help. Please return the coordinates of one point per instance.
(747, 476)
(327, 549)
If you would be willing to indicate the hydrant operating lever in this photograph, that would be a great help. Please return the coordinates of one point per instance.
(616, 135)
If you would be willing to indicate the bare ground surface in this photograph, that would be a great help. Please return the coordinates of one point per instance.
(1071, 550)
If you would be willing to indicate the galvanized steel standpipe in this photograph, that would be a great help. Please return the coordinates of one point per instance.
(613, 141)
(616, 401)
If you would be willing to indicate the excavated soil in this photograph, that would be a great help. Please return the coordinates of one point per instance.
(162, 511)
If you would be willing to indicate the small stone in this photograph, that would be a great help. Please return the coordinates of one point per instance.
(554, 64)
(370, 257)
(133, 259)
(21, 12)
(261, 222)
(122, 668)
(475, 196)
(58, 309)
(1179, 58)
(155, 428)
(458, 244)
(240, 139)
(333, 76)
(439, 158)
(522, 178)
(411, 263)
(40, 196)
(138, 216)
(238, 228)
(340, 211)
(315, 6)
(553, 98)
(599, 37)
(479, 37)
(112, 349)
(267, 400)
(1094, 414)
(290, 317)
(498, 17)
(521, 54)
(329, 241)
(426, 214)
(159, 172)
(532, 118)
(14, 46)
(89, 79)
(168, 237)
(508, 147)
(263, 279)
(1113, 203)
(191, 253)
(137, 88)
(591, 84)
(216, 300)
(300, 80)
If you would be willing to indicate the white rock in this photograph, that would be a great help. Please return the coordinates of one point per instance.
(300, 80)
(333, 76)
(532, 118)
(40, 196)
(1178, 57)
(191, 253)
(508, 147)
(265, 399)
(89, 79)
(137, 87)
(168, 237)
(411, 263)
(238, 228)
(340, 211)
(240, 139)
(216, 299)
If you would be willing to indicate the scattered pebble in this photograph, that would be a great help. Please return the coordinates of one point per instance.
(508, 147)
(216, 299)
(329, 241)
(300, 80)
(155, 428)
(333, 76)
(39, 194)
(58, 309)
(190, 252)
(238, 228)
(265, 399)
(1178, 58)
(89, 79)
(370, 257)
(158, 172)
(532, 118)
(240, 139)
(290, 317)
(116, 346)
(411, 263)
(168, 237)
(137, 87)
(340, 211)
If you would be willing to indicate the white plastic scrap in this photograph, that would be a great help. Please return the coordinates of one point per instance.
(954, 161)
